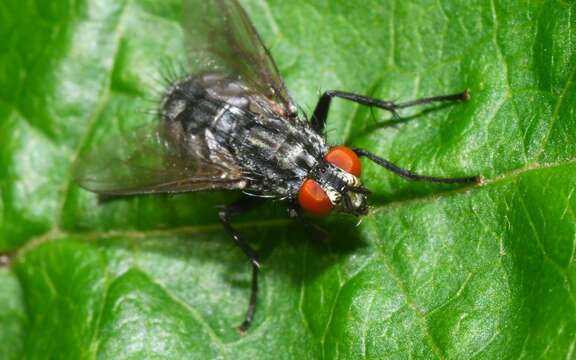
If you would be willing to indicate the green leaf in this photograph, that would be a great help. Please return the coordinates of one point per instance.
(433, 271)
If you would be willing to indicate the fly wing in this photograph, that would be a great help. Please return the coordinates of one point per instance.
(221, 39)
(152, 160)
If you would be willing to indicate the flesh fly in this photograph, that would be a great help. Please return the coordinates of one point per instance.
(230, 124)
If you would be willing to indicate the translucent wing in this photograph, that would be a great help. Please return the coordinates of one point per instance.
(152, 160)
(221, 38)
(221, 41)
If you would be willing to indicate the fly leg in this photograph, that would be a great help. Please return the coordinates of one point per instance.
(407, 174)
(321, 111)
(241, 206)
(295, 212)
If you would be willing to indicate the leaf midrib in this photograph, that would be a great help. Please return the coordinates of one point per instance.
(56, 233)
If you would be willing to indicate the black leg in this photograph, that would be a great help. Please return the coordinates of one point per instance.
(237, 208)
(295, 211)
(411, 176)
(321, 111)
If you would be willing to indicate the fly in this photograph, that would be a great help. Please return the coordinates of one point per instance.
(232, 125)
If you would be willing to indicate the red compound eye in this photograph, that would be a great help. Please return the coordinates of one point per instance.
(345, 158)
(313, 199)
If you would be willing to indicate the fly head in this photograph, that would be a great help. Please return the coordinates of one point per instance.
(334, 184)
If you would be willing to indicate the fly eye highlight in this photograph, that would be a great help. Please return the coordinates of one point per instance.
(313, 199)
(344, 158)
